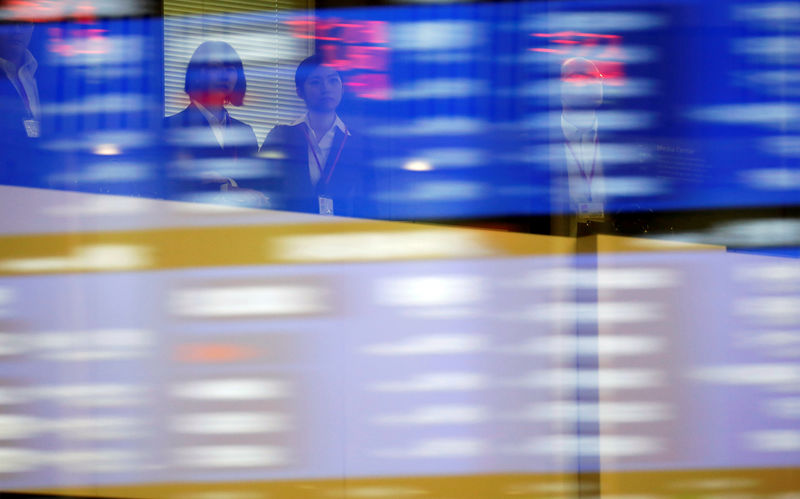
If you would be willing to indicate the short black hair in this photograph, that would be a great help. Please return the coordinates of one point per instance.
(304, 70)
(215, 52)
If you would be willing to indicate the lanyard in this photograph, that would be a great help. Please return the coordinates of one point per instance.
(316, 158)
(19, 86)
(580, 165)
(25, 98)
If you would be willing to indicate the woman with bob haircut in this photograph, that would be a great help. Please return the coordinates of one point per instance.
(210, 147)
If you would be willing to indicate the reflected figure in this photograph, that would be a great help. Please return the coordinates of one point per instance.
(211, 150)
(581, 96)
(322, 162)
(19, 92)
(20, 111)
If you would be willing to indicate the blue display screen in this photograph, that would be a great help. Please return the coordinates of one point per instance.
(457, 111)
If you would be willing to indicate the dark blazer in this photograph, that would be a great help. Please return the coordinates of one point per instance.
(194, 153)
(350, 181)
(17, 150)
(14, 112)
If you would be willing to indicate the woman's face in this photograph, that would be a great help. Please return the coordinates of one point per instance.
(221, 78)
(322, 90)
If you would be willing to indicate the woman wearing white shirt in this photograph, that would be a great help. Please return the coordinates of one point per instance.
(323, 163)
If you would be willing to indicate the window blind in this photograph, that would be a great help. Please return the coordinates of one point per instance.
(259, 32)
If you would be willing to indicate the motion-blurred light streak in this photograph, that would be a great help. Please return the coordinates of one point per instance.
(96, 395)
(607, 120)
(774, 374)
(430, 291)
(440, 192)
(777, 49)
(230, 423)
(773, 178)
(769, 12)
(437, 35)
(437, 415)
(785, 407)
(433, 382)
(596, 21)
(99, 104)
(377, 245)
(109, 206)
(602, 379)
(438, 159)
(439, 344)
(777, 115)
(439, 126)
(231, 389)
(438, 448)
(441, 88)
(603, 412)
(603, 312)
(604, 278)
(604, 345)
(249, 300)
(230, 456)
(603, 446)
(94, 257)
(774, 440)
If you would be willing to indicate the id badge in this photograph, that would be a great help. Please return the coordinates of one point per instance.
(590, 212)
(325, 205)
(32, 128)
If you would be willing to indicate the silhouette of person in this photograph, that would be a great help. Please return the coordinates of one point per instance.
(19, 102)
(18, 89)
(580, 189)
(323, 163)
(208, 146)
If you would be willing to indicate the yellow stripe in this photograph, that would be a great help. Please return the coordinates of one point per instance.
(618, 244)
(682, 484)
(362, 241)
